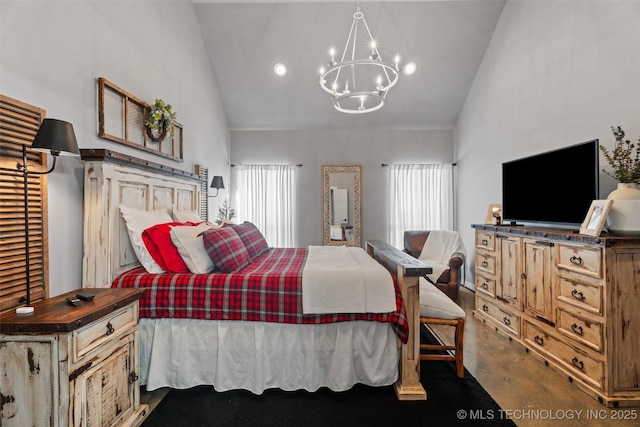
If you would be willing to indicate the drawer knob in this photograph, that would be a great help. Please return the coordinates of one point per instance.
(485, 307)
(539, 340)
(485, 263)
(110, 329)
(485, 242)
(578, 363)
(576, 260)
(506, 321)
(577, 329)
(485, 285)
(577, 295)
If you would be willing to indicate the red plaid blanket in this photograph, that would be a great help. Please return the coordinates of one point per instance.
(267, 290)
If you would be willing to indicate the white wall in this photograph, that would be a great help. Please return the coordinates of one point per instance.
(556, 73)
(52, 52)
(314, 148)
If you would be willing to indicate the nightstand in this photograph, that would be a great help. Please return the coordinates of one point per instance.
(66, 365)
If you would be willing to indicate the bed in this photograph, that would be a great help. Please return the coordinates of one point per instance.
(186, 340)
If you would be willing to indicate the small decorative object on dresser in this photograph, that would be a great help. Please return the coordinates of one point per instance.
(596, 217)
(625, 213)
(494, 214)
(73, 362)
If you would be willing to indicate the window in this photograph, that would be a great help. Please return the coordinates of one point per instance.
(421, 198)
(266, 197)
(19, 123)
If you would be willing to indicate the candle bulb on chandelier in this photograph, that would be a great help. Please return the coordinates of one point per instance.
(374, 55)
(397, 61)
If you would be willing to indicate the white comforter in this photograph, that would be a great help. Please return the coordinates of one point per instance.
(341, 279)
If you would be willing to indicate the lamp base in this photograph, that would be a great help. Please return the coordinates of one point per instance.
(24, 310)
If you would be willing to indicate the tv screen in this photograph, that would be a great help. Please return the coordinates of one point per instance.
(556, 187)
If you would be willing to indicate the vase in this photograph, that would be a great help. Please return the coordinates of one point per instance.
(624, 217)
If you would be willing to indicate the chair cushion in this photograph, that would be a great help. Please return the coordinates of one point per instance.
(435, 303)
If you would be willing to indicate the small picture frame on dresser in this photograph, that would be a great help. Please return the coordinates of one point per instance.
(596, 217)
(494, 214)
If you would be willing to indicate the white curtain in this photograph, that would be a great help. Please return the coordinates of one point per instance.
(266, 197)
(421, 198)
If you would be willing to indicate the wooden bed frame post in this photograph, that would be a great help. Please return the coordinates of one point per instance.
(407, 271)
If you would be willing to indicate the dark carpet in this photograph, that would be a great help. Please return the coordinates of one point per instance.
(451, 401)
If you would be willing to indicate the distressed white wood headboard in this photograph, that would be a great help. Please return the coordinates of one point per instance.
(112, 179)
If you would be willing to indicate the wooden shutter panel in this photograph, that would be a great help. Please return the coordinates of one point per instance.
(203, 172)
(19, 123)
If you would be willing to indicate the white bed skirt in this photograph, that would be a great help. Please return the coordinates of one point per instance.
(255, 356)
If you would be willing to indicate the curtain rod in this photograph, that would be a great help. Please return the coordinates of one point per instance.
(233, 165)
(384, 165)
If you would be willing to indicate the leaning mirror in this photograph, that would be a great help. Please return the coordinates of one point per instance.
(341, 205)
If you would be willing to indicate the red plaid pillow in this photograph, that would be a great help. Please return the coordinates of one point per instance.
(225, 248)
(252, 238)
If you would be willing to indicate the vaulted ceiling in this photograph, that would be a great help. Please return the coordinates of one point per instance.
(447, 39)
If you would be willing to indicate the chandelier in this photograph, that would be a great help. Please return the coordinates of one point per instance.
(360, 81)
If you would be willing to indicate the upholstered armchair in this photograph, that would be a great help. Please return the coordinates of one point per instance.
(450, 259)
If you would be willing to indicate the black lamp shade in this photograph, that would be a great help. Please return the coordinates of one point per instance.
(56, 137)
(217, 182)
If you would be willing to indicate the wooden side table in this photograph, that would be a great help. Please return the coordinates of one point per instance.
(64, 365)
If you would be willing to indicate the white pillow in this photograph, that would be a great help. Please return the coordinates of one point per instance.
(137, 221)
(188, 240)
(187, 216)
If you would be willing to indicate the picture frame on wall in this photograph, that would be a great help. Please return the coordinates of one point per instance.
(596, 216)
(494, 214)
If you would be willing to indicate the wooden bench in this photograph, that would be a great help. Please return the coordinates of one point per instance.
(436, 308)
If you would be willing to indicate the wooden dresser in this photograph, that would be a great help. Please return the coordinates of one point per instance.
(64, 365)
(573, 300)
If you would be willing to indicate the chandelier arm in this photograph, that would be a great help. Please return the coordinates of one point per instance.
(386, 73)
(344, 52)
(353, 78)
(375, 46)
(355, 39)
(346, 47)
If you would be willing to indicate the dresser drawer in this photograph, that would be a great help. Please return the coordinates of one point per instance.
(581, 259)
(486, 241)
(486, 284)
(582, 295)
(578, 362)
(507, 320)
(109, 328)
(584, 331)
(486, 263)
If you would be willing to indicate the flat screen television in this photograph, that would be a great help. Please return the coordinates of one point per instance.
(553, 188)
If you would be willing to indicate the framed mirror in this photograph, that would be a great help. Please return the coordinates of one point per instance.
(341, 206)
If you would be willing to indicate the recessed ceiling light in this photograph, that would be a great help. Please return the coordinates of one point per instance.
(280, 69)
(409, 68)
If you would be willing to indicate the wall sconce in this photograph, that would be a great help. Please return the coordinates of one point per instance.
(216, 183)
(57, 138)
